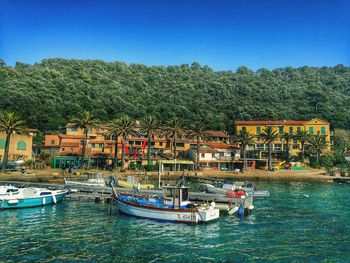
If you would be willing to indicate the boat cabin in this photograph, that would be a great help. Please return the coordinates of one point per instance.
(175, 196)
(8, 190)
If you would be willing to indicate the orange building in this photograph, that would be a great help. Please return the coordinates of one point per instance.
(100, 147)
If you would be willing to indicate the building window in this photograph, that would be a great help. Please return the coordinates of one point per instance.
(281, 130)
(258, 130)
(21, 145)
(278, 147)
(73, 129)
(260, 147)
(53, 141)
(180, 144)
(296, 146)
(311, 130)
(213, 155)
(202, 155)
(298, 129)
(291, 130)
(161, 144)
(323, 130)
(2, 144)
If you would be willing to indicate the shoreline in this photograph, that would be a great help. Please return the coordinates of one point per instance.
(56, 176)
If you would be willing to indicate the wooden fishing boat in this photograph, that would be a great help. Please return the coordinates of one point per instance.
(13, 197)
(173, 206)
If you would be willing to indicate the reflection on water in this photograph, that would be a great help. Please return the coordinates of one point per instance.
(287, 226)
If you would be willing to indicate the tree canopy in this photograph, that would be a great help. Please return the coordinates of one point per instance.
(48, 94)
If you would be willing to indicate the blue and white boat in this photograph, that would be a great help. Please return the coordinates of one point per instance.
(12, 197)
(173, 206)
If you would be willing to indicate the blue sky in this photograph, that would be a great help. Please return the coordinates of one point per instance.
(218, 33)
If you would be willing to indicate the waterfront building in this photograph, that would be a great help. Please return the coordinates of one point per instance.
(20, 146)
(217, 155)
(66, 149)
(259, 149)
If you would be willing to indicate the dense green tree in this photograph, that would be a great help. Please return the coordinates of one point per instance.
(87, 122)
(244, 138)
(48, 94)
(174, 128)
(10, 123)
(125, 127)
(317, 145)
(115, 130)
(287, 137)
(303, 137)
(149, 126)
(198, 131)
(269, 135)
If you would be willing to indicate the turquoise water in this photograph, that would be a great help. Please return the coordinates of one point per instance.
(288, 226)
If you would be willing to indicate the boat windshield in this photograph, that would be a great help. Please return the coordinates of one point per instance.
(13, 190)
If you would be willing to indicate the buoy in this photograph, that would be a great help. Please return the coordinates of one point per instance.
(44, 200)
(212, 204)
(251, 207)
(241, 210)
(307, 196)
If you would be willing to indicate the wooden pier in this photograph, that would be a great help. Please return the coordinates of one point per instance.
(102, 194)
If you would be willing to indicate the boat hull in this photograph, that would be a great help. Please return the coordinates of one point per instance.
(165, 214)
(14, 202)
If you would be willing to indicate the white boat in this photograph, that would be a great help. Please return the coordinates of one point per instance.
(248, 188)
(173, 206)
(92, 180)
(13, 197)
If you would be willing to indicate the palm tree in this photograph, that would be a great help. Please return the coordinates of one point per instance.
(198, 132)
(244, 138)
(269, 135)
(302, 137)
(174, 128)
(287, 137)
(150, 127)
(124, 127)
(87, 122)
(114, 129)
(10, 123)
(317, 144)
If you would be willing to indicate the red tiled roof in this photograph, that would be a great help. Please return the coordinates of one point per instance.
(278, 122)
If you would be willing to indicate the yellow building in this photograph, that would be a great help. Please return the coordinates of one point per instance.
(259, 148)
(20, 146)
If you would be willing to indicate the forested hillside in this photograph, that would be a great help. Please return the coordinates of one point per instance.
(47, 94)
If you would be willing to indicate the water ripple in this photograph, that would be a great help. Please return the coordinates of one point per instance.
(286, 227)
